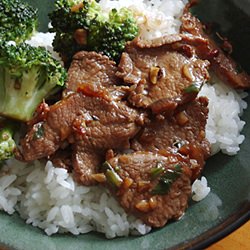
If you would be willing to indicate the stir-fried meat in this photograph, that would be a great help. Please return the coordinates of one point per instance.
(40, 141)
(86, 164)
(222, 64)
(45, 137)
(155, 188)
(62, 159)
(161, 74)
(104, 125)
(98, 72)
(183, 132)
(94, 118)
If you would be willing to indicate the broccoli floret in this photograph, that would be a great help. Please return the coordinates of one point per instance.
(27, 76)
(111, 36)
(7, 143)
(81, 25)
(18, 20)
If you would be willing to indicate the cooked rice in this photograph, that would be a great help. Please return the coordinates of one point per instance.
(200, 189)
(40, 39)
(47, 197)
(155, 18)
(224, 125)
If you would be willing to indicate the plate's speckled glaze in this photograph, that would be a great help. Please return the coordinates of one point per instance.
(225, 208)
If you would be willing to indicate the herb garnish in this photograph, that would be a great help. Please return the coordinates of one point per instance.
(193, 88)
(166, 180)
(112, 177)
(157, 171)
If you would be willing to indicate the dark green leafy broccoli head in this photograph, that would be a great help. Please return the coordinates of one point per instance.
(100, 32)
(67, 41)
(111, 36)
(71, 15)
(22, 57)
(18, 20)
(27, 76)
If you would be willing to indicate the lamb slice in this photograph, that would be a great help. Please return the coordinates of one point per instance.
(184, 132)
(96, 70)
(62, 158)
(221, 63)
(104, 125)
(40, 141)
(46, 136)
(161, 76)
(153, 187)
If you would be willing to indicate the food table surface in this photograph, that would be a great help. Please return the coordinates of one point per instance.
(239, 239)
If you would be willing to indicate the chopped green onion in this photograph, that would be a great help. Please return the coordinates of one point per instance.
(117, 168)
(166, 180)
(193, 88)
(157, 171)
(112, 177)
(106, 165)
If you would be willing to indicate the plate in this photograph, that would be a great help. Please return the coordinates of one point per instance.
(227, 206)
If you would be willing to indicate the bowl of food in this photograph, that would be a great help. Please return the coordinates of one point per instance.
(122, 124)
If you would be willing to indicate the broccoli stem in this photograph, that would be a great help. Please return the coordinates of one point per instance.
(21, 96)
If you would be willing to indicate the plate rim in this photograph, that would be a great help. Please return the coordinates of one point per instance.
(218, 232)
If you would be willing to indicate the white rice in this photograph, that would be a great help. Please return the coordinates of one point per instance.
(200, 189)
(224, 125)
(48, 197)
(155, 18)
(40, 39)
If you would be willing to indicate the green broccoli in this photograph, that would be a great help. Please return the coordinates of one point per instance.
(18, 20)
(27, 76)
(111, 36)
(7, 143)
(81, 25)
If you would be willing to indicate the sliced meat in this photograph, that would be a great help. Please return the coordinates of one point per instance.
(45, 137)
(183, 132)
(171, 42)
(95, 70)
(40, 141)
(104, 125)
(153, 187)
(161, 73)
(92, 68)
(86, 163)
(222, 64)
(62, 159)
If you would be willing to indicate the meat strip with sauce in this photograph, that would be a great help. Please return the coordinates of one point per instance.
(161, 74)
(153, 187)
(184, 132)
(221, 63)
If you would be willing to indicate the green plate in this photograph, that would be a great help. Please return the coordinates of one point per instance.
(224, 209)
